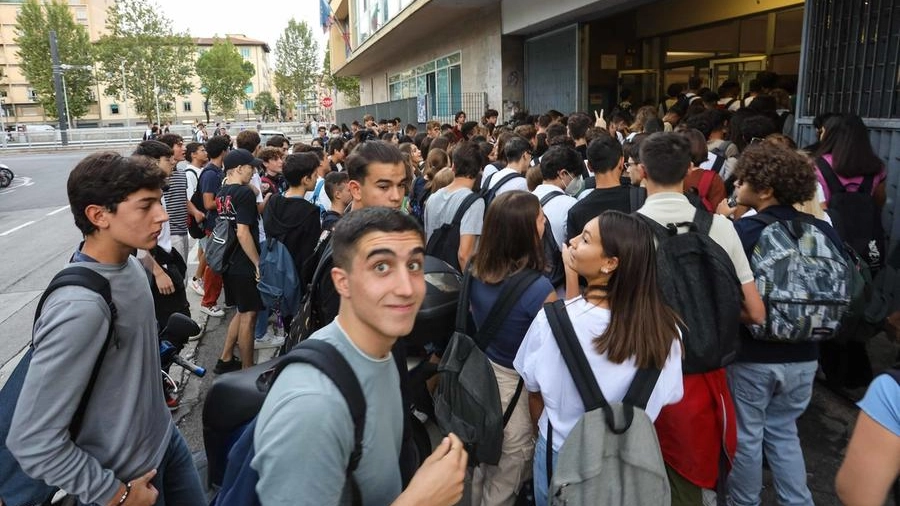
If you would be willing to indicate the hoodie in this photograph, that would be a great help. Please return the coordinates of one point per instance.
(294, 222)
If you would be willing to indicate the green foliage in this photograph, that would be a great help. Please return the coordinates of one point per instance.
(223, 76)
(33, 25)
(141, 45)
(346, 86)
(296, 61)
(265, 106)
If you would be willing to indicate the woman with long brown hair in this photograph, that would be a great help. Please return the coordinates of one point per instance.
(622, 325)
(511, 246)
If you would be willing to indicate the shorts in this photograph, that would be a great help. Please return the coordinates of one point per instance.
(240, 291)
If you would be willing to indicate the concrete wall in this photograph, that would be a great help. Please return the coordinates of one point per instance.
(479, 44)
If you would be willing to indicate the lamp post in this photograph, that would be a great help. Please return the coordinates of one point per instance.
(63, 68)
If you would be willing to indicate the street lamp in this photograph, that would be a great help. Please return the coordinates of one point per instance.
(64, 67)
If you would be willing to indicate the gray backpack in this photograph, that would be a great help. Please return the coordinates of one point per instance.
(612, 456)
(804, 280)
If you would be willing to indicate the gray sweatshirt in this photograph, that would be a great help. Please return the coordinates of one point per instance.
(126, 427)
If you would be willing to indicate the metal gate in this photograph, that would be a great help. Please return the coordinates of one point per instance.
(552, 79)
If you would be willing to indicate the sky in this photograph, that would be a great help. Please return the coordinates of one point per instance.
(265, 21)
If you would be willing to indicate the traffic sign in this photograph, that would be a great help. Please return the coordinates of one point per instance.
(327, 102)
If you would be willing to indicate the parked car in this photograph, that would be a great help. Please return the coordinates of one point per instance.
(265, 135)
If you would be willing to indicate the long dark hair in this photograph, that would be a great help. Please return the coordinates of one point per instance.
(641, 324)
(509, 239)
(847, 140)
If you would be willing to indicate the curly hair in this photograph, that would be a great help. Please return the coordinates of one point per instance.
(787, 172)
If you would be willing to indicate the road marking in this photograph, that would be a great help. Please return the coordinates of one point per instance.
(17, 228)
(23, 181)
(63, 208)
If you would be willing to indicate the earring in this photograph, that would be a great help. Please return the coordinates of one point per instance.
(605, 271)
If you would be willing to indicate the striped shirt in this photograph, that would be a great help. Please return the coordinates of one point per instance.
(176, 202)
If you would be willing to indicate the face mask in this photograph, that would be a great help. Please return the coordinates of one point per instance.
(575, 186)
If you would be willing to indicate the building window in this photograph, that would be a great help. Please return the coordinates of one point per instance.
(186, 105)
(248, 104)
(249, 88)
(32, 95)
(439, 80)
(245, 52)
(114, 108)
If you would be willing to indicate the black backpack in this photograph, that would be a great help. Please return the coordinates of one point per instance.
(698, 280)
(311, 317)
(467, 400)
(16, 487)
(444, 242)
(855, 216)
(554, 270)
(488, 192)
(234, 401)
(195, 229)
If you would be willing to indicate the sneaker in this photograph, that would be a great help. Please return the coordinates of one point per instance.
(268, 341)
(172, 401)
(223, 367)
(197, 286)
(213, 311)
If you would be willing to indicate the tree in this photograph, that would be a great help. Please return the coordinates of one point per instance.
(265, 105)
(347, 86)
(34, 23)
(296, 61)
(141, 49)
(224, 75)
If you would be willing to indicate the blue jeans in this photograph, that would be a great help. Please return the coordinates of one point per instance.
(177, 479)
(768, 399)
(540, 471)
(262, 323)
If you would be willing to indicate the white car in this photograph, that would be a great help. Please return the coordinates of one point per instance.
(265, 135)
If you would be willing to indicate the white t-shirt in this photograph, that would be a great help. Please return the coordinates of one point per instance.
(541, 365)
(516, 183)
(164, 240)
(556, 211)
(192, 182)
(322, 198)
(256, 182)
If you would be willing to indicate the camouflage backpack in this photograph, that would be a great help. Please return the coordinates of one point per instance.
(804, 280)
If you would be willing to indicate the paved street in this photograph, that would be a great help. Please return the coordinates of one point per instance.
(37, 236)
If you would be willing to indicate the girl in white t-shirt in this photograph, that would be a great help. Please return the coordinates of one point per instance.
(622, 325)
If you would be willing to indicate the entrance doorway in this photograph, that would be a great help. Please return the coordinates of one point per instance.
(742, 70)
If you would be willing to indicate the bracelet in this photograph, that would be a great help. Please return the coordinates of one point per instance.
(125, 495)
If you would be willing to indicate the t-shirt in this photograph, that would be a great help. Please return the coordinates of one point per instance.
(483, 297)
(850, 183)
(442, 206)
(192, 179)
(211, 182)
(238, 201)
(768, 352)
(882, 403)
(671, 207)
(256, 182)
(543, 369)
(516, 183)
(304, 433)
(176, 202)
(556, 210)
(594, 203)
(321, 198)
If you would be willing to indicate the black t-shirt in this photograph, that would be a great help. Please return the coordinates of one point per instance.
(597, 201)
(239, 202)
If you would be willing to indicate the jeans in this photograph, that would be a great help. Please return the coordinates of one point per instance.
(262, 323)
(540, 471)
(177, 479)
(768, 399)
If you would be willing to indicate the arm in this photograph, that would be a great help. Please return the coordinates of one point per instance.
(248, 244)
(871, 465)
(163, 282)
(466, 249)
(439, 481)
(198, 215)
(69, 331)
(753, 310)
(535, 408)
(209, 201)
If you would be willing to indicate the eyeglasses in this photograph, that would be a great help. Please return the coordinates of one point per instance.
(756, 140)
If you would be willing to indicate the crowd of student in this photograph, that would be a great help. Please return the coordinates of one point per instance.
(583, 201)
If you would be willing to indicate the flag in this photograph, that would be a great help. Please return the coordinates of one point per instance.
(325, 15)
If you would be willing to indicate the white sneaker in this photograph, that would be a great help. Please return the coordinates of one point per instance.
(213, 311)
(197, 286)
(268, 341)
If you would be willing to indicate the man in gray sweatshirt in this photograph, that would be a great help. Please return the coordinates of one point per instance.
(128, 451)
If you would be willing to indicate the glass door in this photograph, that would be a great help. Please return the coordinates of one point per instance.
(643, 85)
(742, 70)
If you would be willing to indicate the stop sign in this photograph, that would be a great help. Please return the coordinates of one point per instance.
(327, 102)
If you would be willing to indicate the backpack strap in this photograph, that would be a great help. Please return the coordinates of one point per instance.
(317, 191)
(505, 179)
(463, 207)
(641, 388)
(831, 179)
(636, 198)
(573, 355)
(703, 221)
(508, 298)
(718, 164)
(77, 275)
(462, 306)
(329, 361)
(550, 196)
(659, 231)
